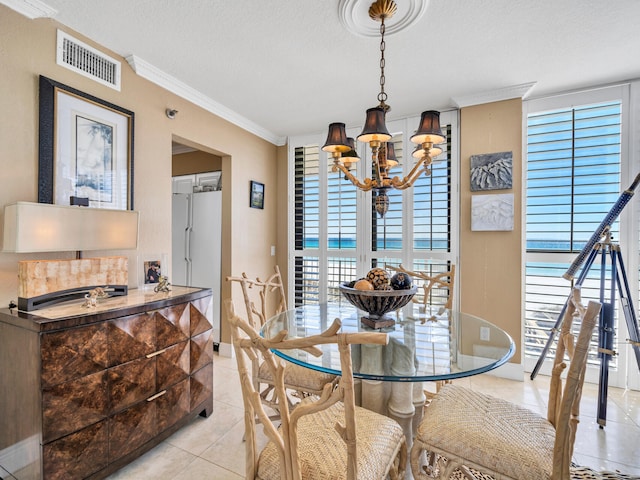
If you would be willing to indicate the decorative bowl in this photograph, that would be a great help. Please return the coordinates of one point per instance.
(378, 302)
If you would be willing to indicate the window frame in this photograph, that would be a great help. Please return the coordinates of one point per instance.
(628, 236)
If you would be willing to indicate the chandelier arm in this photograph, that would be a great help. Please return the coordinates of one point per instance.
(403, 184)
(365, 186)
(412, 176)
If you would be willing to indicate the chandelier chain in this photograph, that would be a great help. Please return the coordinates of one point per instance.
(382, 96)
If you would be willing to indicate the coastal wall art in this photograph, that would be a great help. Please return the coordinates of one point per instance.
(491, 171)
(492, 212)
(85, 151)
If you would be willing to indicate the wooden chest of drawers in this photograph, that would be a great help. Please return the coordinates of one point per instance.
(85, 393)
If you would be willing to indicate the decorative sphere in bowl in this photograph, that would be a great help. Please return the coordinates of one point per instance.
(378, 277)
(401, 281)
(378, 302)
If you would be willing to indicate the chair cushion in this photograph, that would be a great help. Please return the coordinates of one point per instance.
(299, 378)
(323, 453)
(486, 431)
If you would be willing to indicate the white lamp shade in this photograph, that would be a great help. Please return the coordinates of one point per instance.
(42, 227)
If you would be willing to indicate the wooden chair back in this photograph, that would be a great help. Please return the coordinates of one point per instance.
(564, 404)
(248, 344)
(271, 295)
(432, 284)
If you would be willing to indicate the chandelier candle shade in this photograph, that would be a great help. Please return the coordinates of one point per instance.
(375, 133)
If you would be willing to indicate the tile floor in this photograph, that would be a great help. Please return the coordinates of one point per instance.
(212, 448)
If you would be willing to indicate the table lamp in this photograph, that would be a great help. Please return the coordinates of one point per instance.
(41, 227)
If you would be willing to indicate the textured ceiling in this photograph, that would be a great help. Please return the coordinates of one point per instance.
(291, 67)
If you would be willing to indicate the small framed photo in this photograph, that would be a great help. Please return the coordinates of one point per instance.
(152, 267)
(256, 195)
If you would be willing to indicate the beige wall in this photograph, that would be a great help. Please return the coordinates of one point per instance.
(283, 255)
(490, 273)
(27, 50)
(195, 162)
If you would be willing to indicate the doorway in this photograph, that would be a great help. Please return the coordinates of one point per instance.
(197, 223)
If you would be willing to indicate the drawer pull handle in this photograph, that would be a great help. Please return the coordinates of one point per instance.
(149, 355)
(153, 397)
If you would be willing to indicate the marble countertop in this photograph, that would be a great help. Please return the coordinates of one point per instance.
(135, 297)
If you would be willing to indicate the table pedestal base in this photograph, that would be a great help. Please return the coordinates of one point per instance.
(401, 409)
(376, 323)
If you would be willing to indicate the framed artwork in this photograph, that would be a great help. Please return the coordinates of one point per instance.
(492, 212)
(256, 195)
(492, 171)
(86, 149)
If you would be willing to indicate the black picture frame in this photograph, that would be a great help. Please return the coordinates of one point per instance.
(256, 194)
(59, 178)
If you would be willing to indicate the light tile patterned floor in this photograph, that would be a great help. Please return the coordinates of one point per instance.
(212, 448)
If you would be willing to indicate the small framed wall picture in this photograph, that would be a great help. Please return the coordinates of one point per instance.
(256, 195)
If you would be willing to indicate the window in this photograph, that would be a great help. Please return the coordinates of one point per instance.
(339, 237)
(574, 175)
(307, 224)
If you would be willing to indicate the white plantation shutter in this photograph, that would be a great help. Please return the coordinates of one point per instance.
(573, 178)
(306, 224)
(432, 201)
(573, 174)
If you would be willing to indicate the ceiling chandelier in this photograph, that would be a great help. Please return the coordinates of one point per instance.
(375, 133)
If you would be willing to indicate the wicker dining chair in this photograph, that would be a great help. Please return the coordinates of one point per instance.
(435, 286)
(479, 436)
(271, 299)
(322, 438)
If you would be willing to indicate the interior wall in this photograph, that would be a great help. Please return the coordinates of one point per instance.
(490, 273)
(283, 256)
(29, 50)
(195, 162)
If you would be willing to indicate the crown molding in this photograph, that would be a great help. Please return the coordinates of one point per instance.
(506, 93)
(31, 9)
(172, 84)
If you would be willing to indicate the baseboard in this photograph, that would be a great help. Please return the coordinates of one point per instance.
(510, 371)
(225, 350)
(21, 455)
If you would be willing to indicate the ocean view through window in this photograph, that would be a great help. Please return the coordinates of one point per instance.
(573, 177)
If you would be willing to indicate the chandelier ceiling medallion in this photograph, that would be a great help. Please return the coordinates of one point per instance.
(375, 133)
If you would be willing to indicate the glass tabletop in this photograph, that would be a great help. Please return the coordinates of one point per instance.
(423, 345)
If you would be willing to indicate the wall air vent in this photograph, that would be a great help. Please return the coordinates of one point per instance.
(85, 60)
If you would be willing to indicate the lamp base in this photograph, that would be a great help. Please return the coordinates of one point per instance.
(42, 301)
(378, 322)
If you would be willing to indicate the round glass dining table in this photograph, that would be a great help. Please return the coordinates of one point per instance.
(425, 345)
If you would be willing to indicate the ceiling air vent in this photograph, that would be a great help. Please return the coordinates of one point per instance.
(85, 60)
